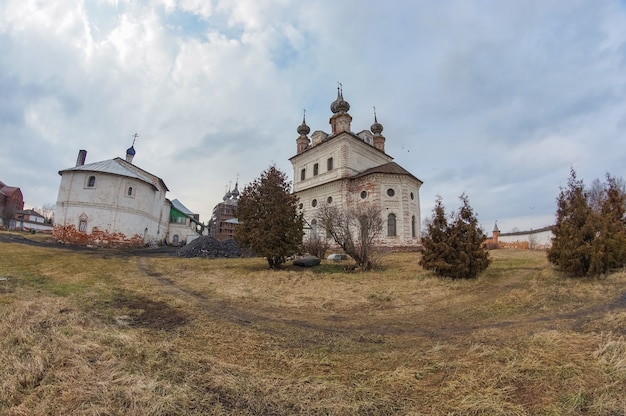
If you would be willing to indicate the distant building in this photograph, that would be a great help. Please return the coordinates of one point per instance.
(184, 225)
(31, 220)
(11, 201)
(224, 218)
(112, 203)
(345, 169)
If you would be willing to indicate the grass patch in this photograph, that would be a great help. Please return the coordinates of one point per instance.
(102, 332)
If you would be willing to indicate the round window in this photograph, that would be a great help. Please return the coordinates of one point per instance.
(329, 199)
(363, 194)
(390, 192)
(412, 196)
(314, 203)
(300, 205)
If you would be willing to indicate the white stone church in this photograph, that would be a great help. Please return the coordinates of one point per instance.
(111, 202)
(346, 168)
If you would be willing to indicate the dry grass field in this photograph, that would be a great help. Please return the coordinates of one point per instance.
(101, 332)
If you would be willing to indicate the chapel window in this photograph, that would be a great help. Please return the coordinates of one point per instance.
(363, 194)
(314, 203)
(329, 199)
(315, 169)
(329, 164)
(82, 226)
(91, 182)
(413, 226)
(391, 225)
(130, 191)
(302, 174)
(391, 192)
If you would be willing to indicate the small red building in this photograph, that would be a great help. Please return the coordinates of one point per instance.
(11, 201)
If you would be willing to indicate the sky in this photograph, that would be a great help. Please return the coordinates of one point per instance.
(495, 99)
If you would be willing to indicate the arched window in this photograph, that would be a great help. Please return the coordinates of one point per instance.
(130, 191)
(82, 223)
(313, 228)
(91, 182)
(413, 225)
(391, 225)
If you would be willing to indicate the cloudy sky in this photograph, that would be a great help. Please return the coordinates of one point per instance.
(497, 99)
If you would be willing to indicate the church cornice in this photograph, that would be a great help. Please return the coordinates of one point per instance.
(329, 139)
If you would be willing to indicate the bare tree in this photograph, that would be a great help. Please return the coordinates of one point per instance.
(316, 245)
(532, 241)
(8, 217)
(48, 212)
(355, 230)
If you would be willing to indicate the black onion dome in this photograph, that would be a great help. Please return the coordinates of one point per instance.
(339, 105)
(303, 129)
(235, 192)
(376, 128)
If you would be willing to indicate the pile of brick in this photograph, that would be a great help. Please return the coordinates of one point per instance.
(211, 248)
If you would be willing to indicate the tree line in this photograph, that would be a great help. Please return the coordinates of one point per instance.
(589, 232)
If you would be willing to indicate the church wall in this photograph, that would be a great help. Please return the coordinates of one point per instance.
(362, 156)
(350, 156)
(111, 216)
(345, 193)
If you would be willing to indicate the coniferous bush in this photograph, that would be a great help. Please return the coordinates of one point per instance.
(269, 223)
(590, 230)
(453, 247)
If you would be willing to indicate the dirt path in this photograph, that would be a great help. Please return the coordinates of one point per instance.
(284, 322)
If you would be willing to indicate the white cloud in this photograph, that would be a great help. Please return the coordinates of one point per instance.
(495, 99)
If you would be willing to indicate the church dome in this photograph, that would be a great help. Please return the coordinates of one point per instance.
(131, 151)
(339, 105)
(235, 193)
(303, 129)
(376, 128)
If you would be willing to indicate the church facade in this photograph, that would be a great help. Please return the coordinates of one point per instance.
(344, 168)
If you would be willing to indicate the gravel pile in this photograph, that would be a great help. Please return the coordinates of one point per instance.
(206, 246)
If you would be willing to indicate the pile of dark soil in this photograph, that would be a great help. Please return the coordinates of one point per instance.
(206, 246)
